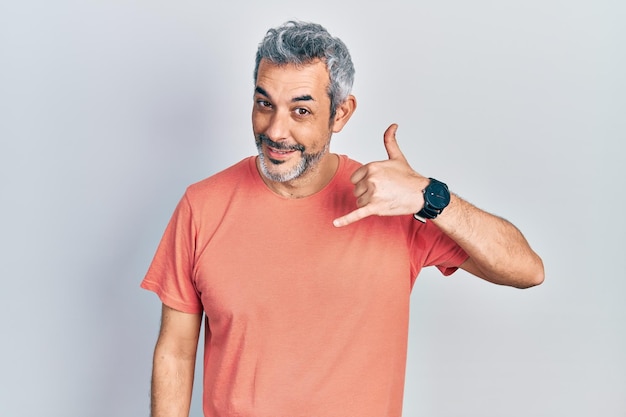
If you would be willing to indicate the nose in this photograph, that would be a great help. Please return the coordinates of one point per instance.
(278, 127)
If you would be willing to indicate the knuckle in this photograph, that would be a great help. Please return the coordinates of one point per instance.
(373, 168)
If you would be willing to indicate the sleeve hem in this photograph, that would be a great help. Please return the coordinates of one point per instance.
(171, 301)
(449, 270)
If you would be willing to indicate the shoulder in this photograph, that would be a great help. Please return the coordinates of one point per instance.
(206, 202)
(348, 164)
(227, 179)
(213, 194)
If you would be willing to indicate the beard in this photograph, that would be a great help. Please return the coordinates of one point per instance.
(307, 162)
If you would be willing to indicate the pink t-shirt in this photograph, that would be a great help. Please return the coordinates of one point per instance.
(303, 319)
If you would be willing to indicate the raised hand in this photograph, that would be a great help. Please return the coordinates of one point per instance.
(386, 188)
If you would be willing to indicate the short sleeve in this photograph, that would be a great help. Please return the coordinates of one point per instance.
(432, 247)
(170, 274)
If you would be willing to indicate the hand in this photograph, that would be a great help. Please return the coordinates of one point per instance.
(386, 188)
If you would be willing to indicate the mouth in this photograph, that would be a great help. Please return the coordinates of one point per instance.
(278, 151)
(274, 153)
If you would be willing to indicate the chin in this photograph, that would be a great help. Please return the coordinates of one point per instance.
(279, 171)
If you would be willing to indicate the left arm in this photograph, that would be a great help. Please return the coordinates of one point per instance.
(497, 250)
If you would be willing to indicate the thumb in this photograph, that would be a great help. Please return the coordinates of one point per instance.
(391, 145)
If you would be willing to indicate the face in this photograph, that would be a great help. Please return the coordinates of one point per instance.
(291, 120)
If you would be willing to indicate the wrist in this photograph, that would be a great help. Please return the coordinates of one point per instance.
(436, 199)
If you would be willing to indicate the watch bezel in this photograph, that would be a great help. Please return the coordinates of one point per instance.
(431, 197)
(435, 191)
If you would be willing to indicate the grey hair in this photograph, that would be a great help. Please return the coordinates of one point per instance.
(302, 43)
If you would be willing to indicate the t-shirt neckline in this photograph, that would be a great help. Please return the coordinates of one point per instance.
(258, 181)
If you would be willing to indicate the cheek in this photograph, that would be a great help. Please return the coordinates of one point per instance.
(255, 118)
(316, 139)
(257, 124)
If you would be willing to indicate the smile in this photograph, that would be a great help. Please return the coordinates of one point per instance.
(278, 155)
(280, 151)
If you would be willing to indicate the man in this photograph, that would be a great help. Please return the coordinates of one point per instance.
(302, 261)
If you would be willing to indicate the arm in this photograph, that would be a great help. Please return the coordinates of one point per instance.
(497, 250)
(174, 363)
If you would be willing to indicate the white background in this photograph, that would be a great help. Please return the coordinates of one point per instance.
(109, 109)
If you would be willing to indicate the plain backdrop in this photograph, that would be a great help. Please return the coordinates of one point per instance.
(110, 108)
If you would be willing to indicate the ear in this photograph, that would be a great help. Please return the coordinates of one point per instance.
(343, 113)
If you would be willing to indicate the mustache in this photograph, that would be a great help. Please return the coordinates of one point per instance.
(261, 138)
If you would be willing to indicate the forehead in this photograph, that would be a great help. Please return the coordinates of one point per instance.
(290, 80)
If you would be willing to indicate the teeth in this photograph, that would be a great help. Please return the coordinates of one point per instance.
(280, 151)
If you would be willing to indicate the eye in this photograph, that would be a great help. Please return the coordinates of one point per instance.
(302, 111)
(263, 103)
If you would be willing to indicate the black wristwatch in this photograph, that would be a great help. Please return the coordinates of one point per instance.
(436, 198)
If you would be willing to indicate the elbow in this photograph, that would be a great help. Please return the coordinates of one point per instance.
(537, 279)
(531, 282)
(534, 276)
(524, 274)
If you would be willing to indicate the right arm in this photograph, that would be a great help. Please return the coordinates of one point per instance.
(174, 363)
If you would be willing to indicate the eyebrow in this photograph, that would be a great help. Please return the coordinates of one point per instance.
(306, 97)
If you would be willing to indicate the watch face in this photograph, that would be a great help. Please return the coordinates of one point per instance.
(437, 195)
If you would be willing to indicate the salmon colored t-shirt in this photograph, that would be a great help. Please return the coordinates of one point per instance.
(303, 319)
